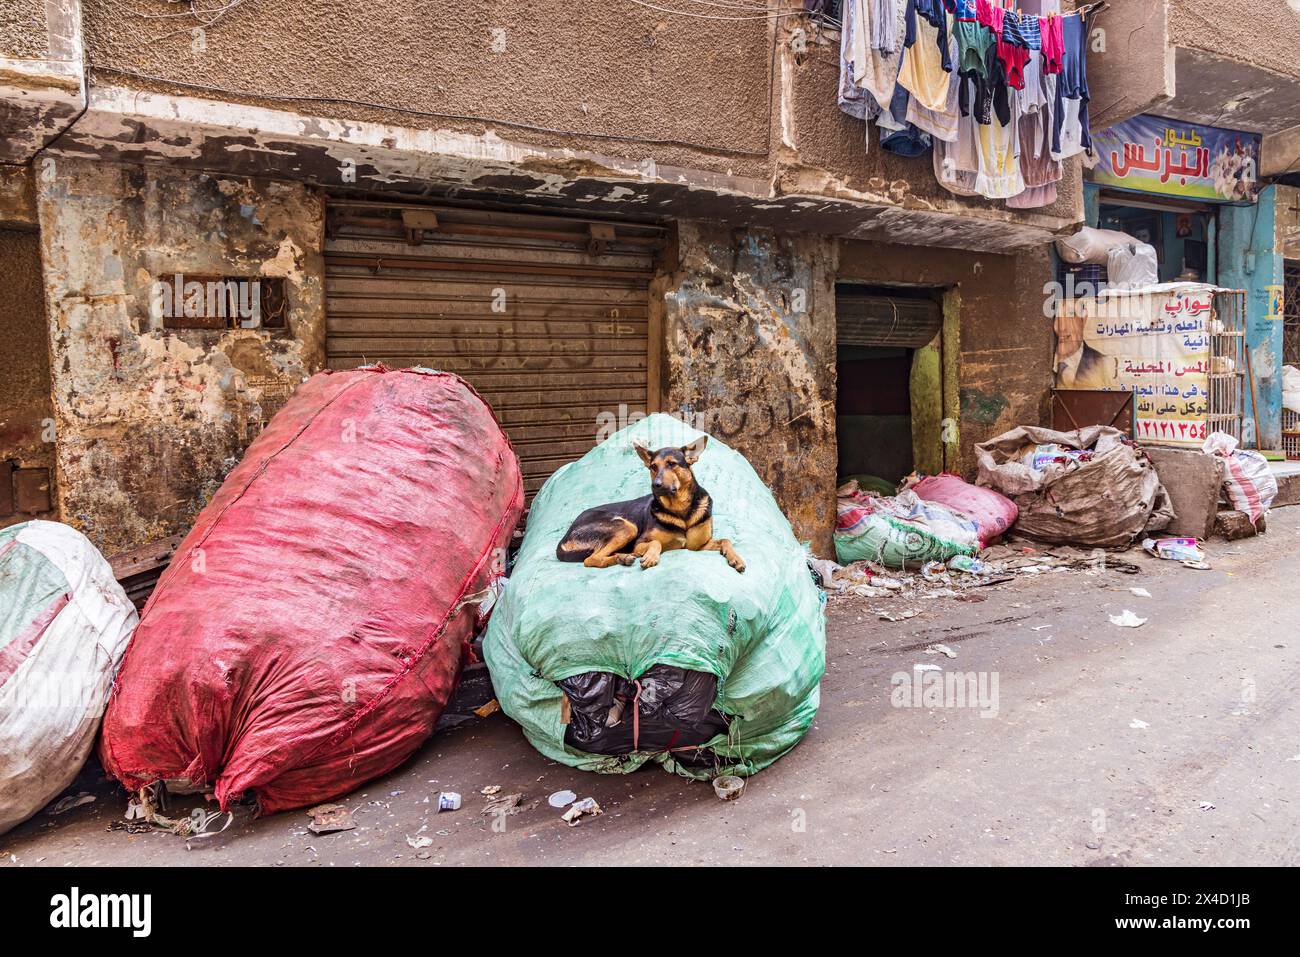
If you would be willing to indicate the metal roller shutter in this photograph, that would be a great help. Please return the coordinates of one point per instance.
(545, 316)
(868, 319)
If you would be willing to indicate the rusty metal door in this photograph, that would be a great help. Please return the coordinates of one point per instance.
(547, 317)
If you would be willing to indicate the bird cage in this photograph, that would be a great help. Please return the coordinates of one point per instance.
(1229, 373)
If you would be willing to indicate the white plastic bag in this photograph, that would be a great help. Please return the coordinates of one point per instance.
(64, 625)
(1291, 388)
(1247, 479)
(1132, 266)
(1090, 245)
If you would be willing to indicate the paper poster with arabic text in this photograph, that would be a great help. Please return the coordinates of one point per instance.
(1155, 344)
(1151, 154)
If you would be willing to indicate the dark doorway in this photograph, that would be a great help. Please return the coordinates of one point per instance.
(887, 336)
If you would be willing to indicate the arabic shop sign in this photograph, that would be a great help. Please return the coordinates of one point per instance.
(1151, 154)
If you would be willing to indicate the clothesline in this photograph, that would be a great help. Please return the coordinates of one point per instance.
(1000, 97)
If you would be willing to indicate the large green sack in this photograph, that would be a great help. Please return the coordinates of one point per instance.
(761, 633)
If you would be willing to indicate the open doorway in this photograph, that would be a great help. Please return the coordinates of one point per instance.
(890, 369)
(1182, 233)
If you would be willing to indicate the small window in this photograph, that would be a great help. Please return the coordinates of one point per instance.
(184, 301)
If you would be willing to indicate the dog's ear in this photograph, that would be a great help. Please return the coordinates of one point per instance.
(646, 455)
(695, 450)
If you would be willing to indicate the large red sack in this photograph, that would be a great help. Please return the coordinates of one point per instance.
(310, 630)
(992, 512)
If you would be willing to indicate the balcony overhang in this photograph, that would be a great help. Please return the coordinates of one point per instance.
(125, 124)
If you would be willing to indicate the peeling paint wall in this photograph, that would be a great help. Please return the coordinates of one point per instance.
(150, 420)
(25, 410)
(749, 333)
(1004, 369)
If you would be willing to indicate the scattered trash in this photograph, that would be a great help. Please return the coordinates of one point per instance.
(1175, 549)
(419, 842)
(327, 818)
(504, 804)
(901, 616)
(969, 565)
(573, 816)
(1127, 620)
(1138, 724)
(492, 707)
(1140, 592)
(491, 789)
(941, 650)
(561, 799)
(1199, 566)
(65, 804)
(1207, 806)
(448, 801)
(921, 667)
(934, 571)
(728, 787)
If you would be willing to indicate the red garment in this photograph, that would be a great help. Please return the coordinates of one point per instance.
(1013, 60)
(990, 15)
(1053, 44)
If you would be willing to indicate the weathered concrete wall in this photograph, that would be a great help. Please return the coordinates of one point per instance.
(41, 74)
(580, 68)
(1264, 33)
(749, 333)
(25, 410)
(622, 110)
(23, 30)
(1004, 366)
(150, 420)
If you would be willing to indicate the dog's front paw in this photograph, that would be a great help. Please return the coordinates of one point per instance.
(648, 562)
(626, 559)
(737, 564)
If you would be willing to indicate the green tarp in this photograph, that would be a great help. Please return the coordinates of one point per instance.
(761, 633)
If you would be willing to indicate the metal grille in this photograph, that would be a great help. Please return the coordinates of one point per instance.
(546, 317)
(1291, 313)
(1229, 363)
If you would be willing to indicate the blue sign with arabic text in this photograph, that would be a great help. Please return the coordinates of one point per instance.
(1151, 154)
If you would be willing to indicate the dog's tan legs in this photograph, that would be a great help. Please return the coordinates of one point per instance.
(604, 556)
(649, 553)
(724, 545)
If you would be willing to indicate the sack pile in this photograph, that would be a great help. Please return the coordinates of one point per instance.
(313, 624)
(1091, 486)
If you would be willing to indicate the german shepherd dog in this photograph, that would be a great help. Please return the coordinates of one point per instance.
(677, 513)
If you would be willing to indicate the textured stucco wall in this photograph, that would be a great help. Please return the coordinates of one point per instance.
(25, 410)
(1004, 368)
(749, 333)
(1265, 33)
(23, 32)
(149, 421)
(585, 67)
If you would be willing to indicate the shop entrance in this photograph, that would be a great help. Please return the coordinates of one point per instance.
(890, 372)
(1182, 233)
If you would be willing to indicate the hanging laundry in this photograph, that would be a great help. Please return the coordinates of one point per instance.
(926, 58)
(1070, 133)
(852, 97)
(1053, 43)
(940, 124)
(885, 28)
